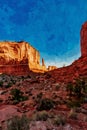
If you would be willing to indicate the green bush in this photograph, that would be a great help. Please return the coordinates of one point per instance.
(8, 85)
(69, 88)
(45, 104)
(80, 87)
(18, 123)
(17, 95)
(77, 91)
(59, 120)
(41, 116)
(1, 84)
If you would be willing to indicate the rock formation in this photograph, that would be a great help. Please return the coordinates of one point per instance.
(51, 68)
(84, 40)
(43, 64)
(19, 58)
(78, 68)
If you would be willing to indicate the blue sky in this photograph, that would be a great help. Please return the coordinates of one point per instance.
(51, 26)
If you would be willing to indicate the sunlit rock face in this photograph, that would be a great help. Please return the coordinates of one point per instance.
(18, 57)
(51, 68)
(84, 40)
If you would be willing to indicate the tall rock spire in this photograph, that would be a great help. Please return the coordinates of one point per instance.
(43, 64)
(83, 34)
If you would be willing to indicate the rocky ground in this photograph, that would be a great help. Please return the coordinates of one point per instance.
(44, 100)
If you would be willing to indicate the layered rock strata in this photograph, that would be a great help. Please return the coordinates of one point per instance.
(19, 58)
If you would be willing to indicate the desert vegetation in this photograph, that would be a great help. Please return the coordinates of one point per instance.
(77, 92)
(17, 96)
(18, 123)
(48, 102)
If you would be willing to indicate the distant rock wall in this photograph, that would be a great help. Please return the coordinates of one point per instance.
(19, 57)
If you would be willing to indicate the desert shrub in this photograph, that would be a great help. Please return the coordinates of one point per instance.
(59, 120)
(17, 95)
(80, 87)
(13, 81)
(73, 104)
(69, 88)
(38, 97)
(77, 91)
(8, 85)
(72, 114)
(18, 123)
(41, 116)
(45, 104)
(1, 83)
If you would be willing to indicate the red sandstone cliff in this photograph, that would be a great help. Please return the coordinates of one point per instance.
(79, 67)
(84, 40)
(19, 58)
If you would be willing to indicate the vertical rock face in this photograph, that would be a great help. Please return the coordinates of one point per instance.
(84, 40)
(43, 64)
(18, 52)
(17, 57)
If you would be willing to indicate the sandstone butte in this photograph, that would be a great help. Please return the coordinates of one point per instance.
(19, 58)
(79, 67)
